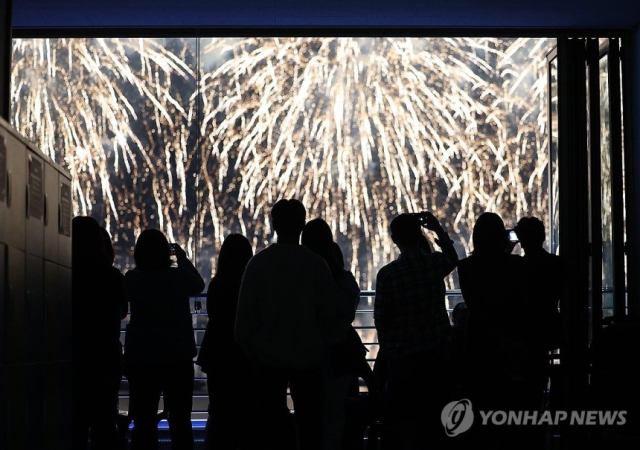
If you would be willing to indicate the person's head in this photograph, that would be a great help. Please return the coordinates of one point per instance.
(152, 251)
(87, 243)
(406, 231)
(489, 234)
(530, 231)
(460, 315)
(234, 255)
(108, 246)
(317, 237)
(288, 217)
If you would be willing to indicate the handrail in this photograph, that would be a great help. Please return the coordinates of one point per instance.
(368, 294)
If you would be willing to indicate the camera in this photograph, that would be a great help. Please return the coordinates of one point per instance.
(421, 216)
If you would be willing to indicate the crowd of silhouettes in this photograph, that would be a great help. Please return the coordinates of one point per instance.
(281, 321)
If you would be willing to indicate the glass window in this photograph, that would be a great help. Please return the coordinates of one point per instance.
(199, 137)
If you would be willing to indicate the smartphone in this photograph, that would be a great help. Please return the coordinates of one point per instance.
(513, 237)
(172, 249)
(422, 216)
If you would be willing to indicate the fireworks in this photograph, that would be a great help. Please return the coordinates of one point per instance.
(359, 129)
(108, 110)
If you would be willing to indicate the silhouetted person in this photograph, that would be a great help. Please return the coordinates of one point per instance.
(286, 319)
(111, 257)
(98, 304)
(547, 274)
(363, 369)
(229, 373)
(108, 246)
(414, 330)
(493, 285)
(347, 355)
(338, 255)
(160, 344)
(614, 386)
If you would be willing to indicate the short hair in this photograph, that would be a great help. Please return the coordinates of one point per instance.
(152, 251)
(530, 231)
(288, 217)
(405, 229)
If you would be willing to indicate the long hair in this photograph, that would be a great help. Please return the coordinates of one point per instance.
(489, 235)
(87, 244)
(108, 246)
(317, 237)
(233, 258)
(338, 255)
(152, 251)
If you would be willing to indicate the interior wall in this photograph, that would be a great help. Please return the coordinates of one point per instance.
(328, 13)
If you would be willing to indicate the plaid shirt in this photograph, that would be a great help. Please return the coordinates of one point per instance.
(409, 310)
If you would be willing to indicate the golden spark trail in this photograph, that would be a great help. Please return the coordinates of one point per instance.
(359, 129)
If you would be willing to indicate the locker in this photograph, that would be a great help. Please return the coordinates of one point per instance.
(52, 407)
(35, 309)
(3, 184)
(14, 213)
(51, 307)
(3, 406)
(15, 307)
(35, 405)
(65, 387)
(65, 308)
(35, 204)
(65, 216)
(35, 298)
(3, 300)
(50, 219)
(17, 420)
(3, 361)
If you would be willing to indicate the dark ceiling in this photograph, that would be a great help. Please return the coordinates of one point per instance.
(327, 13)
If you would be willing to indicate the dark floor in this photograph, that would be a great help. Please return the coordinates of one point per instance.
(608, 440)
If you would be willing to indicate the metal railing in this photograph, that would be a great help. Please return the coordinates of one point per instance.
(363, 323)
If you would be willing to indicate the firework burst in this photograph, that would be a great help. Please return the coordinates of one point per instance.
(108, 110)
(363, 129)
(360, 129)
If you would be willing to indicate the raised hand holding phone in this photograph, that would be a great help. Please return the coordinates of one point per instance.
(177, 251)
(430, 222)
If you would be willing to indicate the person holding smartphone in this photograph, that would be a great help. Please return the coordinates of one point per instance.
(413, 329)
(159, 342)
(493, 284)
